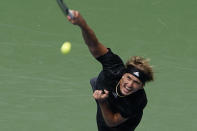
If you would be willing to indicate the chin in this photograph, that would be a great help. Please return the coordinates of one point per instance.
(126, 93)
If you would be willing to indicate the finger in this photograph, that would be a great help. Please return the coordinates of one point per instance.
(96, 92)
(71, 13)
(100, 92)
(69, 18)
(106, 91)
(95, 95)
(76, 14)
(104, 96)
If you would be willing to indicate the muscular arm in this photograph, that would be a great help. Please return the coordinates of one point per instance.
(111, 119)
(96, 48)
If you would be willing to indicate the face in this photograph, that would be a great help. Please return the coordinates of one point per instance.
(129, 84)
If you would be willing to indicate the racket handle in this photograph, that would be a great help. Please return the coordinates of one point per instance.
(70, 13)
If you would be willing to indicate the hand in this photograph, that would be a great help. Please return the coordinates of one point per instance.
(100, 96)
(78, 19)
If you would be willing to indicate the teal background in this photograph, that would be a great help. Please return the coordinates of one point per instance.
(43, 90)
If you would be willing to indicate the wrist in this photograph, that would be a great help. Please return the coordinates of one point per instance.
(83, 25)
(102, 102)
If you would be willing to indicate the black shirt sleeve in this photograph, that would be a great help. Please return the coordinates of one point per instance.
(112, 64)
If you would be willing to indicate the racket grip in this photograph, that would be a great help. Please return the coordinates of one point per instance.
(70, 13)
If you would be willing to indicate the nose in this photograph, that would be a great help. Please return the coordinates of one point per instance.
(130, 83)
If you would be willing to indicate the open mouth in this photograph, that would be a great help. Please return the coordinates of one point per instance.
(127, 89)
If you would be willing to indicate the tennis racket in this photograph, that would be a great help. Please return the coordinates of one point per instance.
(65, 9)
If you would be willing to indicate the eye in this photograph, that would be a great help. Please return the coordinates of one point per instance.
(137, 82)
(129, 78)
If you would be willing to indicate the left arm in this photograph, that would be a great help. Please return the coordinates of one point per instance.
(111, 119)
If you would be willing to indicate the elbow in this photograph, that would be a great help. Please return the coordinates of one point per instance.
(117, 120)
(112, 123)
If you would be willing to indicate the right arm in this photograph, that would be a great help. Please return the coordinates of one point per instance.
(96, 48)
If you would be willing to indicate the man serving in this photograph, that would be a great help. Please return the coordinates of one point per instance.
(119, 88)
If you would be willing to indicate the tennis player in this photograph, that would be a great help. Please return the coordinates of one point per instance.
(118, 89)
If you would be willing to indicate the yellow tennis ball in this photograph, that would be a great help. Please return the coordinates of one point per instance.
(66, 47)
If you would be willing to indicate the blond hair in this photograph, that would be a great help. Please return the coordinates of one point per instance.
(143, 65)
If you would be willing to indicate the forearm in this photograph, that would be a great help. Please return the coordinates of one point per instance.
(95, 47)
(111, 119)
(89, 36)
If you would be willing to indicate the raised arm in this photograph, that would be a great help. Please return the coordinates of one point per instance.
(96, 48)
